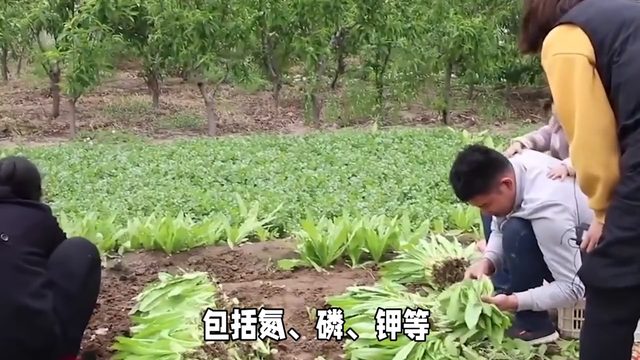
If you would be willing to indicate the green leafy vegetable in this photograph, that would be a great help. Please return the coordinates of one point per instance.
(168, 318)
(472, 319)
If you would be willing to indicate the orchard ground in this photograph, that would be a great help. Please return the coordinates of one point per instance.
(123, 105)
(122, 108)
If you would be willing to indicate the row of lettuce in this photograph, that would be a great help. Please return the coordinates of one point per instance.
(353, 236)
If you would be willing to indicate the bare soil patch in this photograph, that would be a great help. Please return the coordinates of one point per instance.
(124, 104)
(248, 273)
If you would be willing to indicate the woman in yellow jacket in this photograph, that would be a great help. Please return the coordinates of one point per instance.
(589, 51)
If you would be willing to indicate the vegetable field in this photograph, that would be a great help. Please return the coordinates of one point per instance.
(354, 219)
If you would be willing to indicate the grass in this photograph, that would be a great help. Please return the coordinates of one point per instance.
(136, 109)
(129, 109)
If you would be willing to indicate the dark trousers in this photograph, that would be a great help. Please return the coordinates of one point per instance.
(610, 320)
(525, 269)
(501, 278)
(75, 271)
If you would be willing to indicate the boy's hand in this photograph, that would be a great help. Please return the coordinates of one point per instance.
(479, 270)
(502, 302)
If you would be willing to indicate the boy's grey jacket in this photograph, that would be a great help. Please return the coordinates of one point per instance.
(554, 208)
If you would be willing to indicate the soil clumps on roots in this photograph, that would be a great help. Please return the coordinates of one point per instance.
(448, 272)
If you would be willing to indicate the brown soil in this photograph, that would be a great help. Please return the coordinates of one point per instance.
(123, 104)
(248, 273)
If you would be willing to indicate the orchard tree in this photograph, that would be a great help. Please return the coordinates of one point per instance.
(382, 27)
(14, 31)
(85, 51)
(8, 21)
(21, 48)
(512, 68)
(498, 61)
(206, 35)
(467, 37)
(137, 23)
(48, 19)
(274, 31)
(321, 29)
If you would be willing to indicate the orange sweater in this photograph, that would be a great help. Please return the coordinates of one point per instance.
(583, 108)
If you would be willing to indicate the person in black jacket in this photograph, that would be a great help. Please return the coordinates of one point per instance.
(49, 283)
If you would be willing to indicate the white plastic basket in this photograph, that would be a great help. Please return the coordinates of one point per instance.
(570, 321)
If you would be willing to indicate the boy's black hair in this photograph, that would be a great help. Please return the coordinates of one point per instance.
(20, 179)
(475, 171)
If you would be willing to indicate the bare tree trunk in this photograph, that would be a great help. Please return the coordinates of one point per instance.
(316, 100)
(210, 107)
(274, 75)
(53, 71)
(72, 118)
(19, 67)
(54, 87)
(379, 80)
(277, 86)
(338, 43)
(446, 92)
(268, 61)
(154, 88)
(471, 91)
(209, 97)
(5, 63)
(339, 71)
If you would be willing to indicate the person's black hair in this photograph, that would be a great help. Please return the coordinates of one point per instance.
(19, 179)
(476, 170)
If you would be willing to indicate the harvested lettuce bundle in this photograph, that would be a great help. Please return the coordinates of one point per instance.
(436, 262)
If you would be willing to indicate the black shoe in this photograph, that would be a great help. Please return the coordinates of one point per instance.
(533, 337)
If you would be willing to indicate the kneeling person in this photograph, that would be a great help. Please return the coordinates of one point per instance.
(533, 231)
(50, 282)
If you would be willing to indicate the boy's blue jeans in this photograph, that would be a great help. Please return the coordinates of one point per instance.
(500, 279)
(524, 268)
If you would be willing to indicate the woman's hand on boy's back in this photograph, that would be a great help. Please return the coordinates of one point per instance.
(559, 172)
(515, 148)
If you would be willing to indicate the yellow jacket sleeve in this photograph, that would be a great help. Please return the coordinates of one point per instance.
(584, 111)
